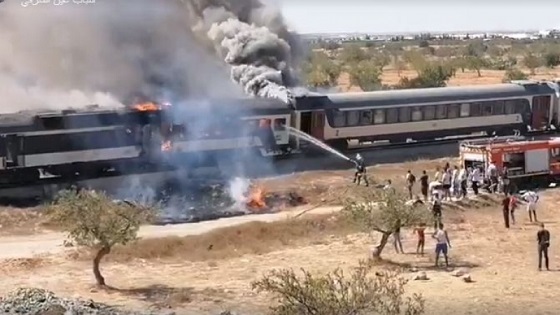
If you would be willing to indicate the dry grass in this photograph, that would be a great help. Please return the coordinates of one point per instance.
(16, 221)
(19, 264)
(255, 238)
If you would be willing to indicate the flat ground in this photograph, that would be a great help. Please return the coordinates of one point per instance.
(207, 272)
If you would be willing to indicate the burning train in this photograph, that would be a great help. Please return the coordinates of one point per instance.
(154, 137)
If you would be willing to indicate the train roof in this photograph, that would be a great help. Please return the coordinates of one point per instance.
(24, 120)
(238, 106)
(435, 95)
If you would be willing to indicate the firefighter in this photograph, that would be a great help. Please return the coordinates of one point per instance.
(360, 170)
(267, 135)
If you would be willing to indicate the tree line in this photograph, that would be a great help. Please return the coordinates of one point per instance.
(434, 65)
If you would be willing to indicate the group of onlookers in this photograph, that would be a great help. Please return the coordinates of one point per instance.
(453, 182)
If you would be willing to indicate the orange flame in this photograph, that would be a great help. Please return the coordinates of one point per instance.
(166, 146)
(256, 198)
(146, 107)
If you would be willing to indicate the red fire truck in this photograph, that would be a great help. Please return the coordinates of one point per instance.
(527, 161)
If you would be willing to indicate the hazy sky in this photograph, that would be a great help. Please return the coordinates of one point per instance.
(374, 16)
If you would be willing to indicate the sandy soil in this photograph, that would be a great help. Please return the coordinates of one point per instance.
(391, 77)
(502, 262)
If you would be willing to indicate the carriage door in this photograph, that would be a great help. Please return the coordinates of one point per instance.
(540, 112)
(318, 124)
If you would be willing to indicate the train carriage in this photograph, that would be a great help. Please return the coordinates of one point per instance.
(421, 114)
(92, 144)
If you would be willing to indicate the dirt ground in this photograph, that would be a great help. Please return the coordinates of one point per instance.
(211, 271)
(391, 77)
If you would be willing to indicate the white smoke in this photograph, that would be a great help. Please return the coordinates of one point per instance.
(54, 57)
(237, 189)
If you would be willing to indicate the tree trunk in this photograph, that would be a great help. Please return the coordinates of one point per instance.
(379, 248)
(478, 72)
(96, 272)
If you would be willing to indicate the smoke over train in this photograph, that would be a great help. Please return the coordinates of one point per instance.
(55, 57)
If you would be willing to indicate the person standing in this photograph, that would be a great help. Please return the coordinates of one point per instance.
(436, 212)
(437, 176)
(360, 170)
(492, 175)
(455, 187)
(442, 245)
(532, 198)
(446, 183)
(475, 180)
(410, 180)
(543, 239)
(421, 238)
(424, 183)
(512, 207)
(463, 175)
(505, 209)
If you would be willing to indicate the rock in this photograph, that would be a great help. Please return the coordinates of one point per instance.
(460, 272)
(421, 276)
(33, 301)
(413, 269)
(467, 278)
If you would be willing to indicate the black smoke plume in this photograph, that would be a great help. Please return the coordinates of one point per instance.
(72, 55)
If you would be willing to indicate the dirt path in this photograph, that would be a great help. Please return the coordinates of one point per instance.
(52, 242)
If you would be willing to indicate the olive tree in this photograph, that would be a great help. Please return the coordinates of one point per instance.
(514, 74)
(355, 293)
(94, 220)
(365, 74)
(384, 211)
(321, 71)
(532, 62)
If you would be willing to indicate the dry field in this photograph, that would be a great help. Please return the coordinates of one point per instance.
(391, 77)
(210, 272)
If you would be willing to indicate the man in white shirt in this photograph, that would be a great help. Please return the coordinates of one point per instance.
(442, 245)
(475, 179)
(455, 182)
(446, 182)
(532, 198)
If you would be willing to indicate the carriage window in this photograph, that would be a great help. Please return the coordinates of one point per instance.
(365, 117)
(416, 113)
(453, 111)
(404, 114)
(429, 112)
(476, 109)
(509, 107)
(352, 118)
(441, 111)
(498, 108)
(487, 108)
(379, 116)
(465, 109)
(280, 124)
(392, 115)
(521, 106)
(339, 119)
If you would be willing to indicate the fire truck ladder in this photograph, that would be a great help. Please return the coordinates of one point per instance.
(493, 140)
